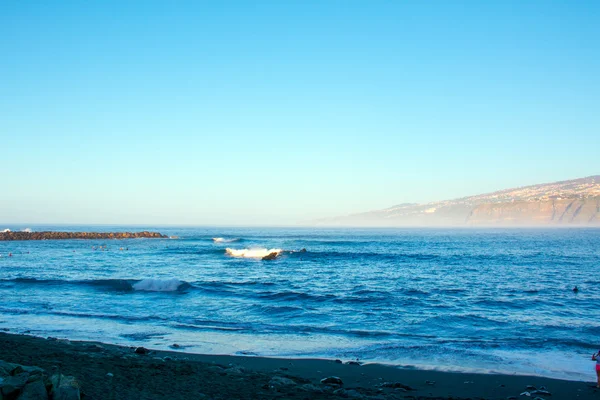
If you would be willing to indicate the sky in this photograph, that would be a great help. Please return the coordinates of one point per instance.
(282, 112)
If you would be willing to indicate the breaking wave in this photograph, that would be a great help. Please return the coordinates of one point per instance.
(251, 253)
(223, 240)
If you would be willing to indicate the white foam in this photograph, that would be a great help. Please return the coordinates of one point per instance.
(251, 253)
(28, 230)
(223, 240)
(6, 230)
(157, 285)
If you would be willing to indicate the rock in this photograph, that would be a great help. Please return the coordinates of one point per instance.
(542, 392)
(270, 256)
(12, 385)
(235, 370)
(34, 377)
(302, 250)
(34, 391)
(350, 393)
(332, 380)
(175, 346)
(395, 385)
(353, 394)
(30, 370)
(77, 235)
(354, 363)
(6, 368)
(64, 388)
(96, 348)
(338, 361)
(141, 350)
(309, 387)
(279, 381)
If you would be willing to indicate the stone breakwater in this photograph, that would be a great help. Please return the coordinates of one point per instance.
(78, 235)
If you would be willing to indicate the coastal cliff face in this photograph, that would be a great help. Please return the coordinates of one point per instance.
(555, 212)
(8, 235)
(573, 202)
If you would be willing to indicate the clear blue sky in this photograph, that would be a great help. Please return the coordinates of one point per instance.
(274, 112)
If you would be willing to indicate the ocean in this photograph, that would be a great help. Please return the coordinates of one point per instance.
(487, 300)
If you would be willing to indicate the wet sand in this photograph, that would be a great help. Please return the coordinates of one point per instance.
(179, 375)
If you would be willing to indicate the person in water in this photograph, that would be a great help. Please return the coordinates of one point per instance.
(596, 357)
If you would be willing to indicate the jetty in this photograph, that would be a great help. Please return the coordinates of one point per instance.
(50, 235)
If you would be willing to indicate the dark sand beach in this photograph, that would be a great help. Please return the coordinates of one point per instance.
(179, 375)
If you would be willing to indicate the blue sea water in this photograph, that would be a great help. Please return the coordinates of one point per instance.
(496, 300)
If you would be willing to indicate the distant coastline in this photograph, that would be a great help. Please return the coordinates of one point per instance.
(570, 203)
(54, 235)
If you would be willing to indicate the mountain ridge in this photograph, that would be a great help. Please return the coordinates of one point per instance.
(567, 202)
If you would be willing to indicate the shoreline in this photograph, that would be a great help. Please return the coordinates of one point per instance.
(178, 375)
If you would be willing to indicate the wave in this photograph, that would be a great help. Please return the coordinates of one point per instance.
(158, 285)
(251, 253)
(223, 240)
(119, 285)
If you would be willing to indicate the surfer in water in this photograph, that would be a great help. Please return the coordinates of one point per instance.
(596, 357)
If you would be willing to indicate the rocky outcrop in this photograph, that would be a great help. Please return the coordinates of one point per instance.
(18, 382)
(78, 235)
(271, 256)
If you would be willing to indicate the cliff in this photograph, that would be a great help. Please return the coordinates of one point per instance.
(572, 202)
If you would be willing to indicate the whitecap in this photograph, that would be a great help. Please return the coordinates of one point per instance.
(158, 285)
(223, 240)
(251, 253)
(6, 230)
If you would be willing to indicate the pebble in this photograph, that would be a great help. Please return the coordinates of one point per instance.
(395, 385)
(309, 387)
(278, 381)
(542, 392)
(141, 350)
(332, 380)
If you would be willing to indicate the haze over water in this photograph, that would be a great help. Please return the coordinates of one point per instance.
(487, 300)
